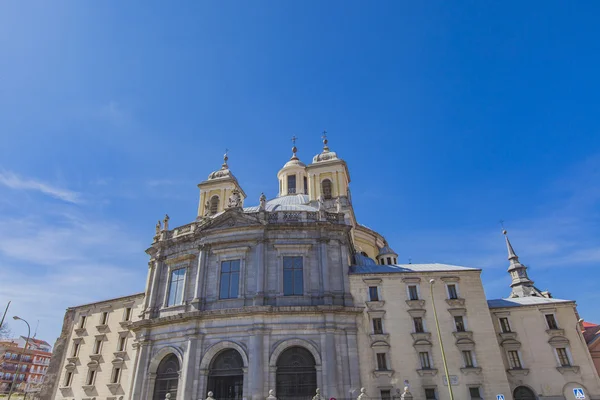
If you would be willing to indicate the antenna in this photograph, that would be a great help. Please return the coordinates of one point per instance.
(36, 328)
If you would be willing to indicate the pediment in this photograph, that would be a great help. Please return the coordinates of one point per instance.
(232, 218)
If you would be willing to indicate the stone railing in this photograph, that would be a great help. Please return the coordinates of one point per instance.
(405, 395)
(279, 217)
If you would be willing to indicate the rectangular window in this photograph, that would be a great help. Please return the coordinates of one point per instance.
(68, 379)
(176, 287)
(97, 346)
(460, 323)
(373, 293)
(563, 357)
(305, 185)
(377, 326)
(424, 358)
(452, 293)
(121, 343)
(82, 322)
(468, 358)
(91, 377)
(430, 394)
(127, 316)
(381, 362)
(513, 360)
(418, 322)
(474, 392)
(293, 279)
(504, 325)
(104, 318)
(551, 321)
(116, 375)
(291, 184)
(230, 279)
(413, 293)
(386, 394)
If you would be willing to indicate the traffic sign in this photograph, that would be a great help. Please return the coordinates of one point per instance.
(500, 397)
(579, 394)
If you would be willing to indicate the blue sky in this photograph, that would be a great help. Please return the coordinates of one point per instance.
(451, 117)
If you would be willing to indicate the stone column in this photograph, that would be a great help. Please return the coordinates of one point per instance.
(329, 356)
(152, 303)
(200, 275)
(327, 297)
(256, 363)
(259, 298)
(140, 368)
(148, 284)
(188, 381)
(353, 362)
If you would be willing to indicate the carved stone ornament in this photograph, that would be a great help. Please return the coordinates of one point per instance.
(210, 396)
(263, 201)
(157, 227)
(166, 222)
(318, 396)
(362, 395)
(207, 208)
(271, 395)
(235, 200)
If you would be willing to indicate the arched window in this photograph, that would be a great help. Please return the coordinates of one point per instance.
(167, 378)
(296, 374)
(214, 204)
(226, 375)
(291, 181)
(523, 393)
(326, 188)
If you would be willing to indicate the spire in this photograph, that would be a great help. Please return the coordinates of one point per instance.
(294, 149)
(225, 158)
(521, 285)
(325, 141)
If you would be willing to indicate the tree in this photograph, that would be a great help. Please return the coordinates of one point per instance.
(5, 332)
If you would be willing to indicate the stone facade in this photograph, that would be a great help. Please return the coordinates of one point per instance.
(294, 295)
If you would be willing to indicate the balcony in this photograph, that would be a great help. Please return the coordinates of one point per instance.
(417, 303)
(457, 302)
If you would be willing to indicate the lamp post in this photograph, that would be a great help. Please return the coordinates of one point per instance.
(437, 325)
(12, 387)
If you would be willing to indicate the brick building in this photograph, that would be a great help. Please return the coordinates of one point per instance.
(26, 369)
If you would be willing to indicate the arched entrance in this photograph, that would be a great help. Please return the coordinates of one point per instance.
(296, 374)
(167, 378)
(524, 393)
(226, 375)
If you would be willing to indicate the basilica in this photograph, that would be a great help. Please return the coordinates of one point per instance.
(292, 294)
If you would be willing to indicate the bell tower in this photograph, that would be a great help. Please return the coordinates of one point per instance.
(292, 177)
(328, 176)
(216, 191)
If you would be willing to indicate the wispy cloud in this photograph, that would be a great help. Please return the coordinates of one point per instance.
(13, 181)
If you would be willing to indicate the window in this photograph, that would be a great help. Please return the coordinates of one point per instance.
(460, 323)
(214, 205)
(326, 188)
(91, 377)
(389, 260)
(373, 293)
(82, 322)
(430, 394)
(230, 279)
(452, 292)
(305, 185)
(104, 318)
(293, 280)
(97, 346)
(513, 360)
(68, 379)
(413, 292)
(551, 321)
(468, 358)
(127, 316)
(418, 322)
(291, 184)
(474, 392)
(381, 362)
(176, 287)
(563, 357)
(377, 326)
(116, 375)
(424, 358)
(504, 325)
(386, 394)
(121, 343)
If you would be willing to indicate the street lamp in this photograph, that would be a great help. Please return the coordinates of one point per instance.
(437, 325)
(12, 387)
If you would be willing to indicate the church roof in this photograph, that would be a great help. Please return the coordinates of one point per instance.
(399, 268)
(297, 202)
(524, 301)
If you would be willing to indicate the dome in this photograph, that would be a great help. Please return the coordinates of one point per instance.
(297, 202)
(385, 250)
(325, 155)
(224, 172)
(294, 162)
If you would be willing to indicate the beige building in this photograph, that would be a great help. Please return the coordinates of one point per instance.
(293, 294)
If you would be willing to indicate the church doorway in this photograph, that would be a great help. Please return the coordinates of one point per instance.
(296, 375)
(524, 393)
(167, 378)
(226, 375)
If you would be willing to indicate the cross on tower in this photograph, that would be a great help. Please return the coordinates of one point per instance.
(294, 140)
(324, 136)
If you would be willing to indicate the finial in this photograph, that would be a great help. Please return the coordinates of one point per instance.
(325, 141)
(166, 222)
(225, 158)
(294, 149)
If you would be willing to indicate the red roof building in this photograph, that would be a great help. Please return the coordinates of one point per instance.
(591, 334)
(25, 368)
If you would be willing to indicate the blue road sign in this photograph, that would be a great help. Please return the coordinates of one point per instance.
(579, 395)
(500, 397)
